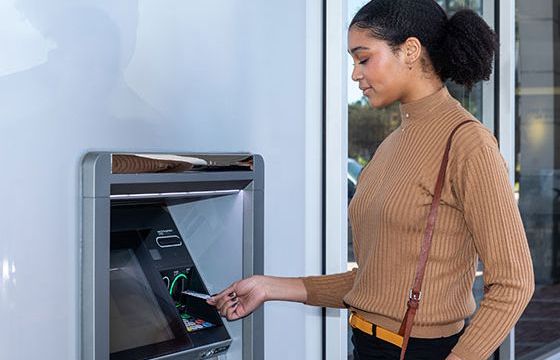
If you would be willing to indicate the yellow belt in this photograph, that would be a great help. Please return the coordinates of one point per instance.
(359, 323)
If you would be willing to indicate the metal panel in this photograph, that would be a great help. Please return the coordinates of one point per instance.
(256, 250)
(95, 281)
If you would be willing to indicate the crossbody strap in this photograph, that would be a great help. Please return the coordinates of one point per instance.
(415, 293)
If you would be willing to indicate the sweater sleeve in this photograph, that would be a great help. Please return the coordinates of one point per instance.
(329, 290)
(492, 216)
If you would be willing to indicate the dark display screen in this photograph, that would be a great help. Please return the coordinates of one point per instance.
(144, 321)
(136, 317)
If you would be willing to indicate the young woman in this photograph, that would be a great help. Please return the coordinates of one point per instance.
(404, 50)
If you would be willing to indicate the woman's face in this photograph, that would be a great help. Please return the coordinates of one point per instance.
(379, 71)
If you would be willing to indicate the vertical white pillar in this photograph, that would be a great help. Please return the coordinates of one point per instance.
(336, 113)
(506, 102)
(489, 101)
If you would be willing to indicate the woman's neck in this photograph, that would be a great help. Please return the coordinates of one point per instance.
(422, 89)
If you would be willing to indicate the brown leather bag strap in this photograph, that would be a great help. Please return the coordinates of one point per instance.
(415, 293)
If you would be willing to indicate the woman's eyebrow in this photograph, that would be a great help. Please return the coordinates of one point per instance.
(357, 48)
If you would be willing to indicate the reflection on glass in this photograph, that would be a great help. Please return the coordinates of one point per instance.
(537, 175)
(7, 273)
(172, 163)
(451, 6)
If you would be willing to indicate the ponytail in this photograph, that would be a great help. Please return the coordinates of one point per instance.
(467, 49)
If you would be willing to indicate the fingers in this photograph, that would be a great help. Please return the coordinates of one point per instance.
(218, 299)
(226, 302)
(231, 313)
(226, 310)
(226, 299)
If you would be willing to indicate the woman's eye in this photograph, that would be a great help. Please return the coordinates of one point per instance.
(361, 62)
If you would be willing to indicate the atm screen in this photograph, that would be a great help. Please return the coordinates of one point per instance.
(144, 321)
(136, 317)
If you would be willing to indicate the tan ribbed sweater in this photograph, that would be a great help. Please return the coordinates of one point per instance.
(478, 217)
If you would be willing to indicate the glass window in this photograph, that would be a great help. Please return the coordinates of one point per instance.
(537, 175)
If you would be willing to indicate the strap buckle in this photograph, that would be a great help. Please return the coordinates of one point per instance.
(412, 295)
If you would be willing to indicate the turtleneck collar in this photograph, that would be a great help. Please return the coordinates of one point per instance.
(418, 110)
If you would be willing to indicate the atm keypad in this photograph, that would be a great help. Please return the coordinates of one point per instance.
(193, 324)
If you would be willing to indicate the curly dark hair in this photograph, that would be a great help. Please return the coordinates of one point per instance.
(460, 48)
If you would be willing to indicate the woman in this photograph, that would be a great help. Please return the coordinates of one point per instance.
(403, 51)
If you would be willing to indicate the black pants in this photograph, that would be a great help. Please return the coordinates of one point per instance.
(369, 347)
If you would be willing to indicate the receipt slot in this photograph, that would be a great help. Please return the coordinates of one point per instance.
(160, 233)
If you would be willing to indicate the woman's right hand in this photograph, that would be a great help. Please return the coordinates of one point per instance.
(241, 298)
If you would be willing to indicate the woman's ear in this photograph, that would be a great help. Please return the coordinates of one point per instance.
(412, 49)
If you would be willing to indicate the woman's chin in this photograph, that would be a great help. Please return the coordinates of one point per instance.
(376, 103)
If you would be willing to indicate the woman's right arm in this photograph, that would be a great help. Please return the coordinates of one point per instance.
(242, 297)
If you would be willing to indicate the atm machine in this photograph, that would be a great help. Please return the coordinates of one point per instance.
(161, 232)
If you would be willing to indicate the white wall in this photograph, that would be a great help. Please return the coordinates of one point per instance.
(135, 75)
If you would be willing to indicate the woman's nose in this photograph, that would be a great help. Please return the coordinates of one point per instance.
(356, 73)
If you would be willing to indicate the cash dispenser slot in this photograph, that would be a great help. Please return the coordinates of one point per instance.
(157, 296)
